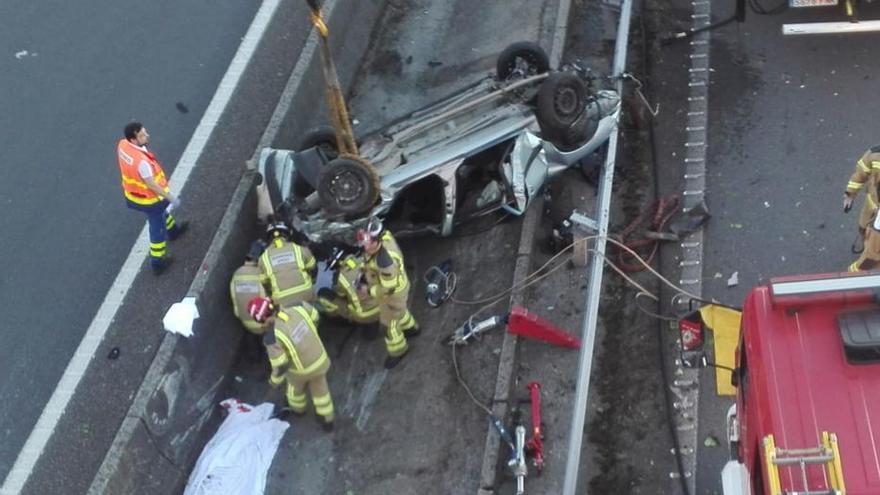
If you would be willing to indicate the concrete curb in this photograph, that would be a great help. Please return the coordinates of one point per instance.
(165, 426)
(507, 361)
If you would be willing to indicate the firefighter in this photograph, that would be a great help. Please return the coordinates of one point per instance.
(386, 281)
(287, 267)
(296, 355)
(866, 174)
(146, 190)
(344, 300)
(246, 284)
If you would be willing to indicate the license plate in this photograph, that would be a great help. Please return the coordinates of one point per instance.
(811, 3)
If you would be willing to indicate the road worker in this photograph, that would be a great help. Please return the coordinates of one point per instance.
(296, 355)
(287, 267)
(343, 299)
(145, 187)
(388, 284)
(246, 284)
(867, 175)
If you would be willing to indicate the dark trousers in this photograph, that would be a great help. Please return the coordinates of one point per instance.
(162, 227)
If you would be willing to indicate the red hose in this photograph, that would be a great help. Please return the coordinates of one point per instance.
(661, 211)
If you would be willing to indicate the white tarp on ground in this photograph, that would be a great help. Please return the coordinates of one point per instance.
(237, 459)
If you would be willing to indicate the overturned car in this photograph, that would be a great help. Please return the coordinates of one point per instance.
(488, 147)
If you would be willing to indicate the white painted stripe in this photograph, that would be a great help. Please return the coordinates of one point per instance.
(39, 436)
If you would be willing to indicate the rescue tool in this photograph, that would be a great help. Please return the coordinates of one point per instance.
(519, 321)
(535, 445)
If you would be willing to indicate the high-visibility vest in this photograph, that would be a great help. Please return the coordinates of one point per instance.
(136, 190)
(390, 280)
(297, 334)
(361, 307)
(286, 268)
(245, 285)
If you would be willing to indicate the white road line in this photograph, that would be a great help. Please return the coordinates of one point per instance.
(39, 436)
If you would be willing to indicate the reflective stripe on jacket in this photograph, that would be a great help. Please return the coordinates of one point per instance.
(297, 333)
(387, 280)
(246, 284)
(349, 272)
(135, 189)
(286, 266)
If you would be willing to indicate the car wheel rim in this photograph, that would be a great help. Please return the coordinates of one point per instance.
(346, 188)
(566, 101)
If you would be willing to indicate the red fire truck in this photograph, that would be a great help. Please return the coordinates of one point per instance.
(807, 413)
(845, 19)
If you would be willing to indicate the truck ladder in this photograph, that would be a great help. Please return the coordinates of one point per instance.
(827, 454)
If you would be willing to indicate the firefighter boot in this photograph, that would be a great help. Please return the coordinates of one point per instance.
(393, 361)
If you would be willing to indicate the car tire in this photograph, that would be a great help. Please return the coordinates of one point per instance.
(349, 186)
(524, 58)
(562, 103)
(323, 137)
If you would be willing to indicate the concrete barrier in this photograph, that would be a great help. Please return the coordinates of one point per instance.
(176, 406)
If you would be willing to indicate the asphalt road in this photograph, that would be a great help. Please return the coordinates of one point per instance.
(73, 73)
(788, 118)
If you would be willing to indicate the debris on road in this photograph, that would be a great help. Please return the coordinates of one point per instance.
(733, 281)
(180, 316)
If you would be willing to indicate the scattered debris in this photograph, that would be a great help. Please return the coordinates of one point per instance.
(710, 441)
(24, 53)
(181, 107)
(718, 275)
(733, 281)
(114, 353)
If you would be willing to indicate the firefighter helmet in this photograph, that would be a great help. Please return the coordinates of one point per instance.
(278, 229)
(260, 308)
(373, 230)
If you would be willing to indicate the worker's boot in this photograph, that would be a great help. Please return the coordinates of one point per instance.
(287, 413)
(161, 265)
(179, 229)
(393, 361)
(413, 332)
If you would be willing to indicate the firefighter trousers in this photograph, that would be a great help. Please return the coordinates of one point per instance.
(395, 317)
(316, 383)
(870, 257)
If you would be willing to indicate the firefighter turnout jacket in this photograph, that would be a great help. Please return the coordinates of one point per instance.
(388, 283)
(298, 355)
(348, 303)
(287, 267)
(246, 284)
(866, 175)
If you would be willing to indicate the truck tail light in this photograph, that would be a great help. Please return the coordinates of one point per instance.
(690, 330)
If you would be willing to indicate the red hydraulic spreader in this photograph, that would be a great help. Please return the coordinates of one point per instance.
(525, 324)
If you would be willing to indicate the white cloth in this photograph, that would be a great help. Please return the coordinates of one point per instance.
(179, 317)
(145, 170)
(237, 459)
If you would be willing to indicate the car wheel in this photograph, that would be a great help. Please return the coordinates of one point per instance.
(322, 137)
(349, 186)
(562, 101)
(522, 59)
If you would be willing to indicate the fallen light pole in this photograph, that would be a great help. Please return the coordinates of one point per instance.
(597, 264)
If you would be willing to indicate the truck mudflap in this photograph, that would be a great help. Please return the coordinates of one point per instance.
(735, 479)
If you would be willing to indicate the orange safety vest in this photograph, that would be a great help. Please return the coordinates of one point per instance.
(134, 187)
